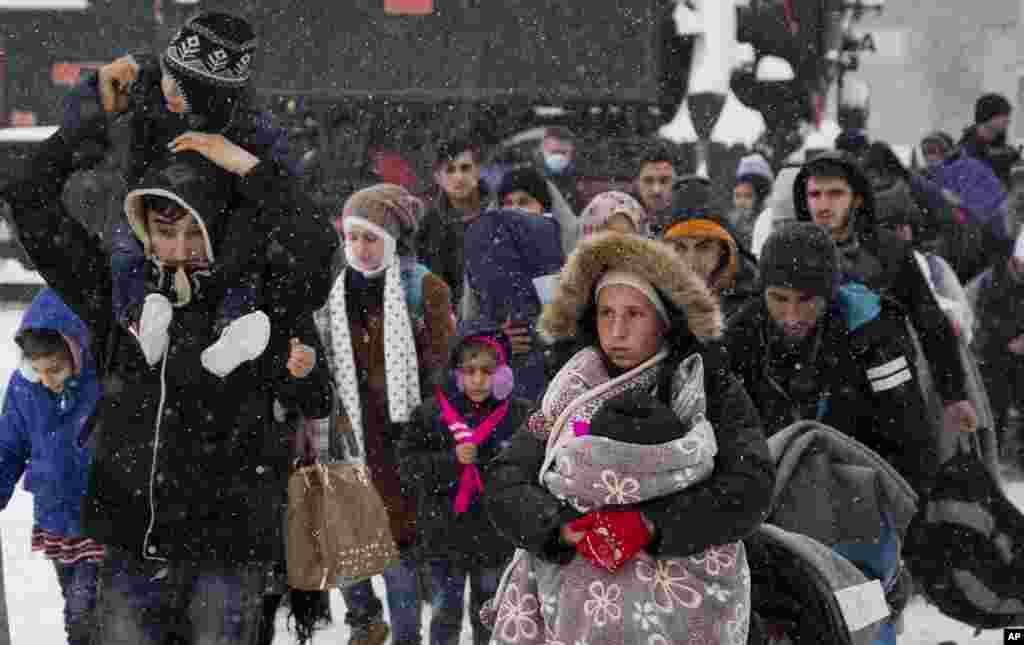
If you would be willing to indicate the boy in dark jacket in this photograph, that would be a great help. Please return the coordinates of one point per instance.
(50, 399)
(450, 438)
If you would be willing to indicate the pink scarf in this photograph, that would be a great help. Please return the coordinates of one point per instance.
(470, 485)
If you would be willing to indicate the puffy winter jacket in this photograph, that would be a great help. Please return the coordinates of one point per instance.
(188, 466)
(33, 430)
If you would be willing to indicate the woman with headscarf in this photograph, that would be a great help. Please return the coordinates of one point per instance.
(388, 325)
(612, 211)
(628, 492)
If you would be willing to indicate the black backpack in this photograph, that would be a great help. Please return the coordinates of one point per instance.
(965, 547)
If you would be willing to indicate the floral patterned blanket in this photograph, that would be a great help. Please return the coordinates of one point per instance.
(703, 599)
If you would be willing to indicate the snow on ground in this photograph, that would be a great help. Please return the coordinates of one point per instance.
(34, 603)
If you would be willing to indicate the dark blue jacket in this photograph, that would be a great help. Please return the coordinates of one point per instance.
(505, 250)
(32, 430)
(427, 462)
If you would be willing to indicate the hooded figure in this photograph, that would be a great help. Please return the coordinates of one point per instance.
(455, 537)
(894, 198)
(754, 179)
(600, 384)
(45, 428)
(886, 264)
(188, 185)
(513, 260)
(612, 210)
(45, 419)
(203, 190)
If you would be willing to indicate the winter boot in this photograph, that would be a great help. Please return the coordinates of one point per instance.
(374, 633)
(154, 321)
(243, 340)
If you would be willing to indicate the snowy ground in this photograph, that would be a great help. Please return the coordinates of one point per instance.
(34, 603)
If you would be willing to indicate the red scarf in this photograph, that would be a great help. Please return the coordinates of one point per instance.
(470, 485)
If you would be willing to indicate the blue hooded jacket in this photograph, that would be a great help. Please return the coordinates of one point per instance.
(32, 429)
(505, 252)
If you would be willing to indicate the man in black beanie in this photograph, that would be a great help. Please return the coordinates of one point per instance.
(813, 348)
(986, 140)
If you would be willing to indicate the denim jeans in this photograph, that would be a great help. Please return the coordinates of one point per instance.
(150, 603)
(447, 586)
(401, 583)
(78, 586)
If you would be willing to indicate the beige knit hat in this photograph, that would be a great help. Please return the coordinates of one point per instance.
(389, 206)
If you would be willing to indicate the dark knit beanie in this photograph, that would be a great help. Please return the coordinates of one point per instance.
(211, 61)
(801, 256)
(528, 180)
(989, 106)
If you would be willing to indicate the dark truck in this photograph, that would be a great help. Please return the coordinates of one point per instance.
(368, 87)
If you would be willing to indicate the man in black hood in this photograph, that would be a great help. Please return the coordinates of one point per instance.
(833, 192)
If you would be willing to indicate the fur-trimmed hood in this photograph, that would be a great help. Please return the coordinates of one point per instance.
(657, 262)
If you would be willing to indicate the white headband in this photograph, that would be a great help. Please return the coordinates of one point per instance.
(638, 283)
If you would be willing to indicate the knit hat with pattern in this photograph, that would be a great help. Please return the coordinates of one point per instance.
(210, 59)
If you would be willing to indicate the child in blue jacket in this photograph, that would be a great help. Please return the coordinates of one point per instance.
(49, 401)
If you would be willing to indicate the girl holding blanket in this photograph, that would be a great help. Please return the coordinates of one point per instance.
(629, 491)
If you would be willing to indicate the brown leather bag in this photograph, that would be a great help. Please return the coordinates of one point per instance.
(338, 529)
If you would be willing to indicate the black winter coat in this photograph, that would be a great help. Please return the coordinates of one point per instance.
(862, 381)
(188, 466)
(439, 241)
(726, 507)
(426, 453)
(886, 264)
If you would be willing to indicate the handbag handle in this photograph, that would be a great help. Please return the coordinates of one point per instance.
(348, 449)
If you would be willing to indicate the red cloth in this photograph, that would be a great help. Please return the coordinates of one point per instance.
(610, 538)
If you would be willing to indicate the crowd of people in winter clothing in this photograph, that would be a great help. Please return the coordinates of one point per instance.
(567, 406)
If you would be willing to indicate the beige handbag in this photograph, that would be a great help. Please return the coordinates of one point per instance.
(339, 532)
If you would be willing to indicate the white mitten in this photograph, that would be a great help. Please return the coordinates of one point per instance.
(243, 340)
(152, 335)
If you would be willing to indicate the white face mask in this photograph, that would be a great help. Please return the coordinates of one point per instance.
(556, 162)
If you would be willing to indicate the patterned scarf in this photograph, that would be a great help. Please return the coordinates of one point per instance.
(402, 365)
(579, 390)
(470, 484)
